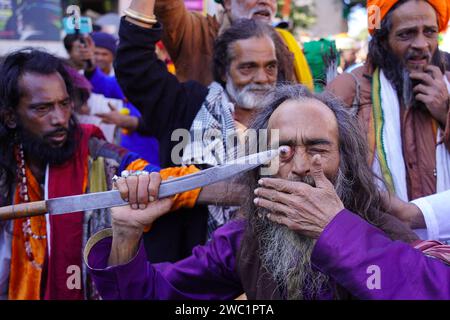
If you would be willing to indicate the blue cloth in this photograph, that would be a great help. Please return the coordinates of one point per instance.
(105, 40)
(147, 147)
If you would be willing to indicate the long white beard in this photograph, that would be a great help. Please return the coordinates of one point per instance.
(287, 254)
(245, 98)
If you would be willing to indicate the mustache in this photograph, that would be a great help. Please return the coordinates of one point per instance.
(305, 179)
(262, 9)
(418, 55)
(256, 87)
(57, 131)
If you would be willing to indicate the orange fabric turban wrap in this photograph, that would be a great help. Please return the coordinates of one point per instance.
(382, 7)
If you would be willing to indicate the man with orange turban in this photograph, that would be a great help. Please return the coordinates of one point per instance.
(401, 98)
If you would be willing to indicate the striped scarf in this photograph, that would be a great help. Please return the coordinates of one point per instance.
(434, 249)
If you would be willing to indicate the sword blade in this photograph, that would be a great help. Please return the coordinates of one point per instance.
(108, 199)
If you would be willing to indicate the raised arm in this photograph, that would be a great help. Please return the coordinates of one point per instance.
(179, 26)
(188, 37)
(164, 102)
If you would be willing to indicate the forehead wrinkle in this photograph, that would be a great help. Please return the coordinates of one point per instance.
(403, 15)
(43, 87)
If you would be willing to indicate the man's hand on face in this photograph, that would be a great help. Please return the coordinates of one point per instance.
(432, 91)
(299, 206)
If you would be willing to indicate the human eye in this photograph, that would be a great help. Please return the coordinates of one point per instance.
(285, 152)
(405, 35)
(317, 150)
(272, 67)
(246, 68)
(66, 103)
(430, 32)
(41, 109)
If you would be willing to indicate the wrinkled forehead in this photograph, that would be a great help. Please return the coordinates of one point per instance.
(42, 87)
(254, 49)
(304, 120)
(414, 13)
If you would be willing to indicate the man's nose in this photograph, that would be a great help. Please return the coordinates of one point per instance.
(59, 116)
(261, 77)
(420, 42)
(302, 163)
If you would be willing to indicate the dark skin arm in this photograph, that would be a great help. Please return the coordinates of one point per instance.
(407, 212)
(224, 193)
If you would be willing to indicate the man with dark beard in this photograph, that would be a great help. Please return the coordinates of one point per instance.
(45, 153)
(401, 98)
(322, 169)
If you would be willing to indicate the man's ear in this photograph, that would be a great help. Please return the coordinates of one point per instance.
(10, 118)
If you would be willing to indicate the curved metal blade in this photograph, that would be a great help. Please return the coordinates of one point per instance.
(168, 188)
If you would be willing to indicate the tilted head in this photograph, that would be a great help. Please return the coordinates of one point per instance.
(310, 124)
(36, 106)
(407, 40)
(246, 62)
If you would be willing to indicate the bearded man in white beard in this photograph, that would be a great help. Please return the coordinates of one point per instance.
(308, 134)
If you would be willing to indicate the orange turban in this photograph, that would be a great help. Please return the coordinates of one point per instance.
(442, 8)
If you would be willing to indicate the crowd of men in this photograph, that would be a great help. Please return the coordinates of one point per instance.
(362, 179)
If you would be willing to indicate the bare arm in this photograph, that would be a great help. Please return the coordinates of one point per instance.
(224, 193)
(407, 212)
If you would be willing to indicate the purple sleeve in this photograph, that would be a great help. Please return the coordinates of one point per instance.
(363, 260)
(209, 273)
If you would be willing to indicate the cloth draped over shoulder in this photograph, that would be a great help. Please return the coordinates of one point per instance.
(301, 68)
(57, 241)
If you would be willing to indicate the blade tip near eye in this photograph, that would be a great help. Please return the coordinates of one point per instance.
(268, 155)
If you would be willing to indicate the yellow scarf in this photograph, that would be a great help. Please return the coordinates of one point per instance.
(301, 68)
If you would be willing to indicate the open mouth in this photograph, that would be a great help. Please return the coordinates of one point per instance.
(418, 61)
(58, 138)
(262, 14)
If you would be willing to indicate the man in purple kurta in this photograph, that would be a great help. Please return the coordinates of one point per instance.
(314, 231)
